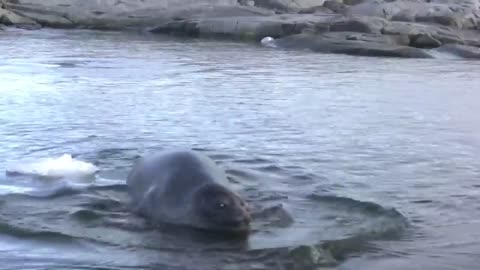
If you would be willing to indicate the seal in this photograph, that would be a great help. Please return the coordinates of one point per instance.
(185, 187)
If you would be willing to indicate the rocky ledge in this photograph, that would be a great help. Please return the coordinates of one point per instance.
(389, 28)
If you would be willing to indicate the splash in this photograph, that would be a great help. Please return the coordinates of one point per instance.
(7, 189)
(54, 168)
(438, 54)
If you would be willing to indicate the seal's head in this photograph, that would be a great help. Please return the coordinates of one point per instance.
(217, 208)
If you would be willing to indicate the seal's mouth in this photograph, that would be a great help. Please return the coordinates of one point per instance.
(236, 225)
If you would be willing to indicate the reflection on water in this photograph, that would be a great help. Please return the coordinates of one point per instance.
(366, 161)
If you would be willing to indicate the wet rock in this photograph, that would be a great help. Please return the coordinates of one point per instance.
(351, 43)
(463, 51)
(10, 18)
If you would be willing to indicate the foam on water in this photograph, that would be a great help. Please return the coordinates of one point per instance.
(61, 167)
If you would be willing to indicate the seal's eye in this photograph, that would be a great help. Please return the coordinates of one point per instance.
(222, 205)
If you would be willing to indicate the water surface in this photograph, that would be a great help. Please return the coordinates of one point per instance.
(374, 160)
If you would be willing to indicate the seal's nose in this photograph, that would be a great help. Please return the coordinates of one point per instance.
(242, 220)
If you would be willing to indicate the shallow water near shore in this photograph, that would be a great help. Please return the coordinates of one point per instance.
(360, 162)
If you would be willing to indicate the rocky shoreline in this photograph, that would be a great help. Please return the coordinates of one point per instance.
(387, 28)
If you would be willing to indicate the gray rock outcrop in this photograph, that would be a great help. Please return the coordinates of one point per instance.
(120, 14)
(401, 28)
(352, 43)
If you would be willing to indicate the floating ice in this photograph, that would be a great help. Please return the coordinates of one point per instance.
(61, 167)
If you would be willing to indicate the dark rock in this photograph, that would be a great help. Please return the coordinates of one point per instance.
(378, 9)
(425, 41)
(276, 5)
(352, 44)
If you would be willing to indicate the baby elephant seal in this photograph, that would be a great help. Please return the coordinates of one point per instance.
(185, 187)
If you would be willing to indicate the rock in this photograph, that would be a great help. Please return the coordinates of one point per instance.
(404, 16)
(378, 9)
(315, 9)
(403, 40)
(423, 35)
(455, 14)
(115, 14)
(463, 51)
(340, 23)
(352, 44)
(288, 5)
(246, 27)
(396, 28)
(470, 37)
(10, 18)
(335, 6)
(357, 24)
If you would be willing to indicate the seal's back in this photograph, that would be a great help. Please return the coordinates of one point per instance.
(164, 183)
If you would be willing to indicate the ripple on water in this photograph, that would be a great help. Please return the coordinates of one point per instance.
(100, 214)
(290, 227)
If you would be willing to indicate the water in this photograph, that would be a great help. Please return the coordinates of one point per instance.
(373, 162)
